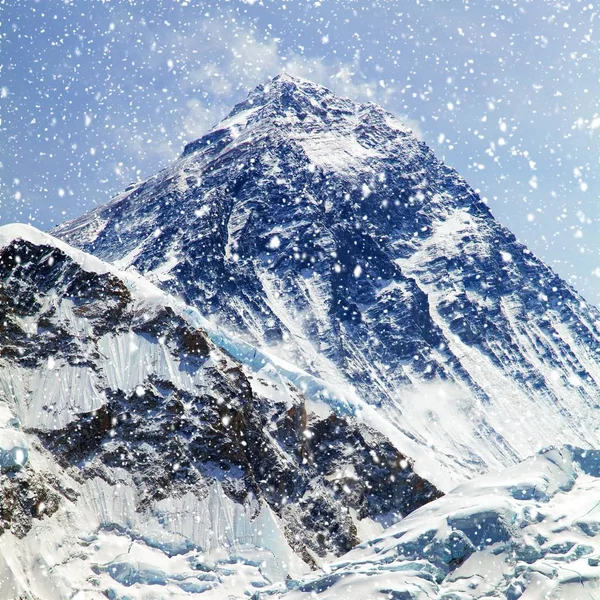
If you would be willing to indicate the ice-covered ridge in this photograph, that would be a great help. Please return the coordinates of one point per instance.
(23, 231)
(531, 531)
(333, 391)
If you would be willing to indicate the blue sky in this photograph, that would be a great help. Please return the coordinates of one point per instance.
(96, 94)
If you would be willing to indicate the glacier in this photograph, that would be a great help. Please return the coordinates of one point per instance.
(529, 532)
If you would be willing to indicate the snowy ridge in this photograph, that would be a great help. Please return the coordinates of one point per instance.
(334, 392)
(142, 457)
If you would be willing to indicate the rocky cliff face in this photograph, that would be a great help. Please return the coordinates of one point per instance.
(137, 452)
(323, 231)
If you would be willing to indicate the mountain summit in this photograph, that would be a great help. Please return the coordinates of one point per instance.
(301, 108)
(323, 232)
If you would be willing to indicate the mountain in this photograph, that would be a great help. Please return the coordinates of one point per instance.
(323, 232)
(141, 460)
(528, 532)
(256, 374)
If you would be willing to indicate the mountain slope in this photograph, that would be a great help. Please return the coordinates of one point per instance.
(323, 231)
(140, 460)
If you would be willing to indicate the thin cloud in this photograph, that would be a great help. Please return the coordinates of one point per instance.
(217, 64)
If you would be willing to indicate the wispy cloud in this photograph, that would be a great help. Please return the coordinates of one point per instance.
(211, 65)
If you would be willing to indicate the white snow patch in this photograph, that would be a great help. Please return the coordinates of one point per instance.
(336, 152)
(238, 121)
(57, 396)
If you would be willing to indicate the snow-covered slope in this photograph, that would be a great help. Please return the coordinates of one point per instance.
(530, 532)
(325, 233)
(141, 460)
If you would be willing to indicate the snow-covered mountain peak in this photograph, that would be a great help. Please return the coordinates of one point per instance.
(285, 83)
(323, 232)
(294, 94)
(298, 110)
(336, 330)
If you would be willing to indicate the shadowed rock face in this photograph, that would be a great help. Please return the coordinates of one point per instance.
(31, 274)
(324, 229)
(118, 388)
(26, 495)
